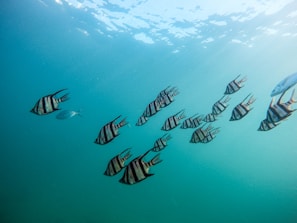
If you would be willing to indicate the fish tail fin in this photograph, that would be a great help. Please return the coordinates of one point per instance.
(156, 160)
(65, 97)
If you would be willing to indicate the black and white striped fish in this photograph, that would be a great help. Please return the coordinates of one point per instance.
(109, 131)
(210, 135)
(138, 170)
(265, 125)
(152, 108)
(166, 96)
(117, 163)
(141, 120)
(242, 109)
(235, 85)
(280, 111)
(161, 143)
(220, 105)
(192, 122)
(173, 121)
(200, 134)
(49, 103)
(210, 117)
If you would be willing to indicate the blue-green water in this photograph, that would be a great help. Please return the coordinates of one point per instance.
(52, 171)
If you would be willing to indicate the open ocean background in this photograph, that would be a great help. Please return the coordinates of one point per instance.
(51, 171)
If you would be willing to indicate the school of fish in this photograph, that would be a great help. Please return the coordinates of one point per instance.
(138, 169)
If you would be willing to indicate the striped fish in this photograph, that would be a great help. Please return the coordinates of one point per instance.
(117, 163)
(200, 134)
(280, 111)
(109, 131)
(265, 125)
(141, 120)
(242, 109)
(173, 121)
(161, 143)
(235, 85)
(138, 170)
(49, 103)
(210, 117)
(152, 108)
(192, 122)
(210, 135)
(220, 105)
(166, 96)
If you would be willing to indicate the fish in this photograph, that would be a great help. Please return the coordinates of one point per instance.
(284, 85)
(235, 85)
(192, 122)
(173, 121)
(161, 143)
(265, 125)
(49, 103)
(109, 131)
(220, 105)
(200, 134)
(138, 170)
(117, 163)
(210, 117)
(152, 108)
(166, 96)
(197, 121)
(141, 120)
(67, 114)
(242, 109)
(280, 111)
(211, 134)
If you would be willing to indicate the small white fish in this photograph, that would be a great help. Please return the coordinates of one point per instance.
(67, 114)
(285, 84)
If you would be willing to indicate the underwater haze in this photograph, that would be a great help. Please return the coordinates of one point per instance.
(114, 57)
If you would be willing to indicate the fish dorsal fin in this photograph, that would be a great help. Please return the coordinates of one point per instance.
(236, 77)
(124, 151)
(280, 98)
(246, 97)
(58, 92)
(181, 111)
(143, 155)
(116, 118)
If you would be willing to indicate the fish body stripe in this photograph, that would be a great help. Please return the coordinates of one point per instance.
(46, 105)
(210, 118)
(196, 122)
(232, 87)
(107, 133)
(152, 108)
(136, 171)
(265, 125)
(170, 123)
(167, 99)
(218, 108)
(159, 145)
(209, 137)
(277, 113)
(114, 166)
(239, 112)
(142, 120)
(188, 123)
(198, 135)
